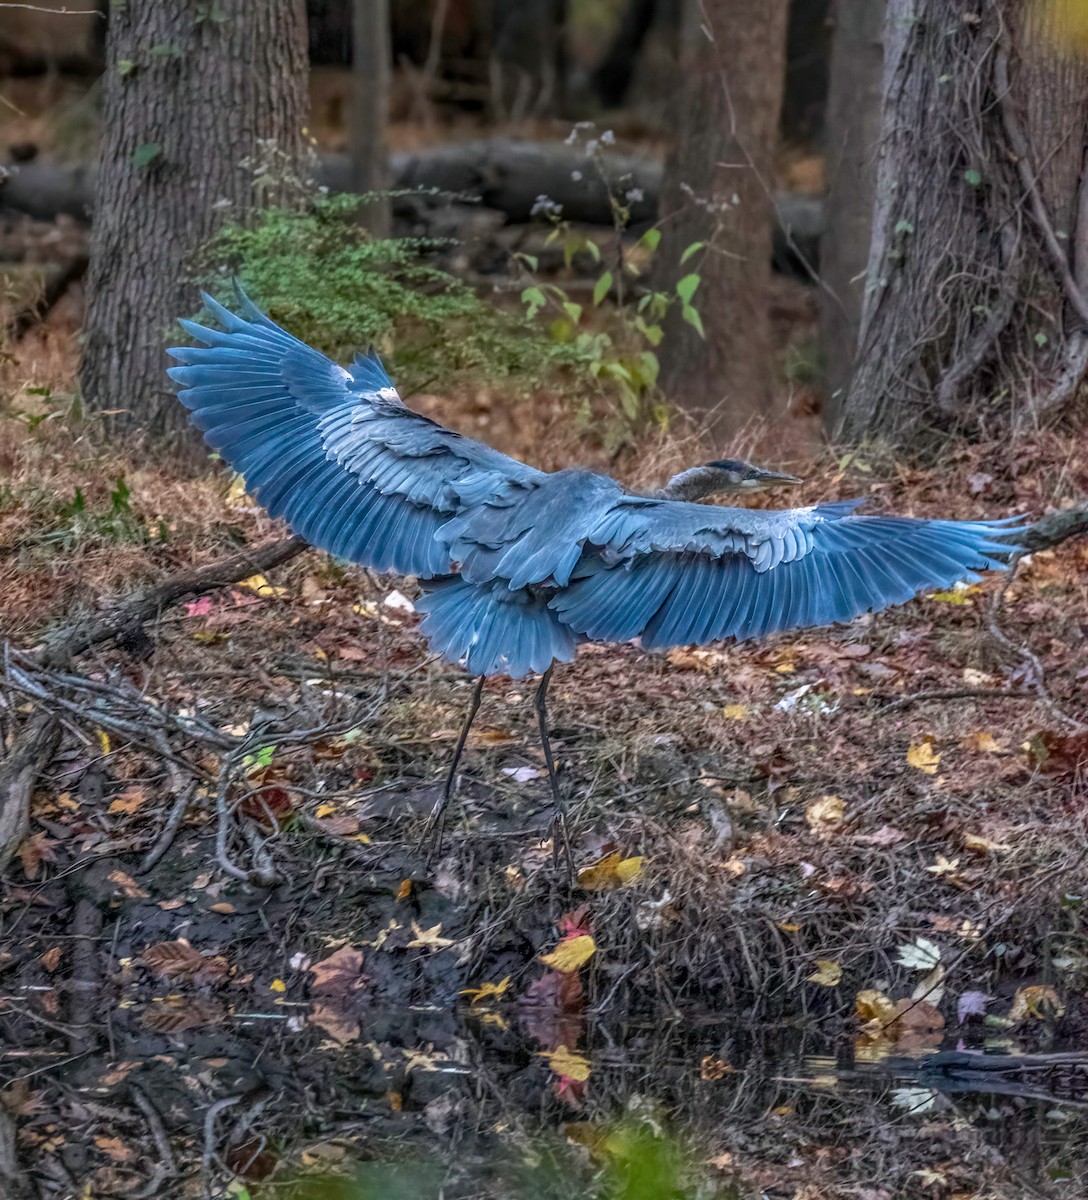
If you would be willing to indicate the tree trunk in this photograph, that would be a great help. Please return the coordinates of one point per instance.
(203, 114)
(852, 134)
(370, 111)
(977, 291)
(717, 191)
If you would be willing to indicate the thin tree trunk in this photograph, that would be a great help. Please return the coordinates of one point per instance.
(852, 133)
(977, 290)
(203, 120)
(717, 191)
(370, 110)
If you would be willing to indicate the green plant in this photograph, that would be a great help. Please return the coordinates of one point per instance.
(318, 272)
(77, 521)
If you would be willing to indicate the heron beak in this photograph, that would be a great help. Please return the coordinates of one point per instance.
(772, 479)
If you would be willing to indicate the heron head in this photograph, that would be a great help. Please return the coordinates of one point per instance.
(736, 475)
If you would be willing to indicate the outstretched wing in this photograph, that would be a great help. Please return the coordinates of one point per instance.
(335, 452)
(679, 574)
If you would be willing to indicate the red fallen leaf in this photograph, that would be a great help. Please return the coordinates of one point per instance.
(199, 608)
(557, 990)
(265, 800)
(552, 1008)
(575, 923)
(570, 1091)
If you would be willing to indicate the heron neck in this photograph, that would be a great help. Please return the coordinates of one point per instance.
(695, 484)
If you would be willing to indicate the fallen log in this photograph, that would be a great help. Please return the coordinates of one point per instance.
(502, 173)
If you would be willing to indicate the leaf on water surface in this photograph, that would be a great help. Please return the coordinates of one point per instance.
(486, 991)
(824, 816)
(568, 1063)
(610, 872)
(556, 990)
(180, 960)
(429, 939)
(1040, 1001)
(919, 955)
(931, 986)
(923, 757)
(339, 974)
(971, 1004)
(872, 1005)
(827, 974)
(174, 1014)
(342, 1027)
(571, 954)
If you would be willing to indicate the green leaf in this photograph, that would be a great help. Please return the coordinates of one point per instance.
(691, 315)
(652, 333)
(165, 50)
(535, 299)
(651, 239)
(602, 287)
(530, 260)
(972, 177)
(694, 248)
(649, 367)
(145, 154)
(904, 227)
(1041, 339)
(687, 287)
(574, 311)
(593, 248)
(125, 66)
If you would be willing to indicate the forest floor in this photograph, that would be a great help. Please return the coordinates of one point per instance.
(802, 866)
(799, 862)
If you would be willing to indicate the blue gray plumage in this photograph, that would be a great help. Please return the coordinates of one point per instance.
(518, 565)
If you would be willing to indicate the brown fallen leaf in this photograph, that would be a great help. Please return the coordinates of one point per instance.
(128, 885)
(429, 939)
(827, 973)
(180, 960)
(1039, 1001)
(339, 974)
(175, 1014)
(341, 1026)
(923, 757)
(824, 816)
(129, 801)
(51, 959)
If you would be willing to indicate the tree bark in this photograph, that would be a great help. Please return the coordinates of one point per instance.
(976, 297)
(852, 134)
(370, 111)
(717, 191)
(203, 118)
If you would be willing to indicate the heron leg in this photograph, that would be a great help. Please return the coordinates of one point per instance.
(433, 834)
(559, 812)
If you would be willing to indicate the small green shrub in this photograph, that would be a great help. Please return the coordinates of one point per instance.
(320, 274)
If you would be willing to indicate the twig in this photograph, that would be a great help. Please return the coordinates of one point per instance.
(166, 1167)
(127, 618)
(957, 694)
(31, 751)
(222, 813)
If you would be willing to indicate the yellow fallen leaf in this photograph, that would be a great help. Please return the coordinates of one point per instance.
(825, 815)
(789, 926)
(103, 740)
(734, 867)
(277, 985)
(871, 1005)
(827, 973)
(1039, 1001)
(982, 743)
(569, 1063)
(405, 889)
(982, 845)
(923, 757)
(429, 939)
(571, 954)
(324, 810)
(487, 991)
(735, 712)
(611, 871)
(261, 586)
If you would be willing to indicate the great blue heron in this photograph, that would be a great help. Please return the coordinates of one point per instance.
(518, 565)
